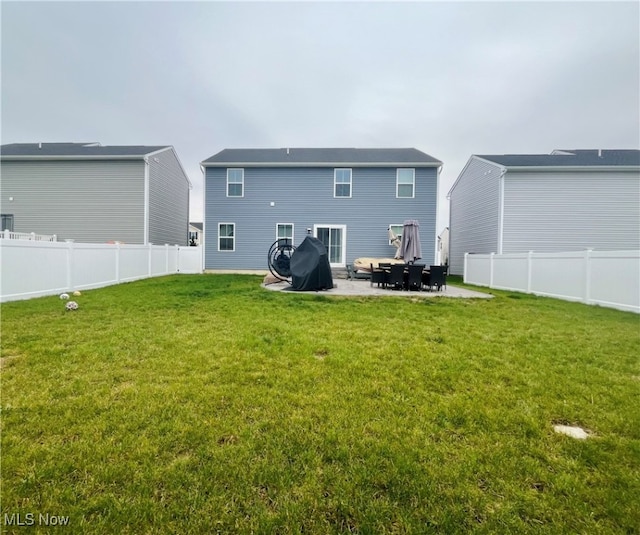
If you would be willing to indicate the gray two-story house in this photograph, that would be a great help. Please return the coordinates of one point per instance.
(348, 198)
(569, 200)
(92, 193)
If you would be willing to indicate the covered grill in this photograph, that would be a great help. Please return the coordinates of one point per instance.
(310, 269)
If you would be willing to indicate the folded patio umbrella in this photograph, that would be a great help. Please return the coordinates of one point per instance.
(410, 248)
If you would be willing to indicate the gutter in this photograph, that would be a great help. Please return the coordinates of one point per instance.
(537, 168)
(321, 164)
(91, 157)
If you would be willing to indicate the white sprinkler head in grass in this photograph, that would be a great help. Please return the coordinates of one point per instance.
(64, 296)
(71, 305)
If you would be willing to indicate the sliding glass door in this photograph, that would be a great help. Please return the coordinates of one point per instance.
(334, 238)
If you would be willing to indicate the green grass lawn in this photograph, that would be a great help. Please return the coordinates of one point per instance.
(205, 404)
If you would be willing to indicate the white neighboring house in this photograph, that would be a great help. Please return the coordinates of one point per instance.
(443, 247)
(196, 233)
(568, 200)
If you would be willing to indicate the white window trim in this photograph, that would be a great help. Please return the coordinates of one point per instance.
(335, 183)
(413, 196)
(396, 225)
(227, 237)
(242, 182)
(293, 230)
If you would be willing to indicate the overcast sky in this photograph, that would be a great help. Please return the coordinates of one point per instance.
(449, 78)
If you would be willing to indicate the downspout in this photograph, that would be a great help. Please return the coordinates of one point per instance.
(145, 240)
(204, 216)
(438, 171)
(501, 210)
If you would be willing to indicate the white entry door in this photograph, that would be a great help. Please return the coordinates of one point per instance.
(334, 238)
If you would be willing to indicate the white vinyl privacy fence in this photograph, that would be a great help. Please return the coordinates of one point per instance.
(37, 268)
(605, 278)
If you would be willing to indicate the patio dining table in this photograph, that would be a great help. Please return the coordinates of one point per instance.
(425, 274)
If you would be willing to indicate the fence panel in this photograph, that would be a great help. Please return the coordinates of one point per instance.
(558, 275)
(36, 268)
(615, 278)
(511, 271)
(92, 265)
(33, 268)
(133, 262)
(606, 278)
(477, 271)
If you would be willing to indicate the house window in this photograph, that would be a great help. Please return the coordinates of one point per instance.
(405, 183)
(342, 183)
(284, 231)
(235, 182)
(397, 231)
(7, 222)
(226, 236)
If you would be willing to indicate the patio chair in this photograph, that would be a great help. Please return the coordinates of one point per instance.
(378, 276)
(353, 274)
(437, 277)
(396, 277)
(414, 281)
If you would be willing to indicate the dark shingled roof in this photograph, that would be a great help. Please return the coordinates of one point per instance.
(568, 158)
(327, 156)
(37, 150)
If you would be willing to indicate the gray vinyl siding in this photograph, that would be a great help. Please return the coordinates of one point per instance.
(474, 213)
(87, 201)
(569, 211)
(168, 200)
(304, 197)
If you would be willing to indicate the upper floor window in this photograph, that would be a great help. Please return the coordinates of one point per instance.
(405, 183)
(7, 222)
(284, 231)
(226, 236)
(235, 182)
(342, 183)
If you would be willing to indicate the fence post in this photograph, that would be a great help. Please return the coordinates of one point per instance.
(529, 270)
(33, 236)
(69, 264)
(587, 276)
(7, 234)
(464, 270)
(491, 269)
(117, 262)
(149, 254)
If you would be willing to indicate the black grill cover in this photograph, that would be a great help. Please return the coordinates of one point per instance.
(310, 269)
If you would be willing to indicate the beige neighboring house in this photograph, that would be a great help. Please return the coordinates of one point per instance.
(93, 193)
(196, 233)
(443, 247)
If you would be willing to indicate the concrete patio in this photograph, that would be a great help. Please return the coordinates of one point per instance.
(364, 288)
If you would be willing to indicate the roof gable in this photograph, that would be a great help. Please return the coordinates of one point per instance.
(322, 156)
